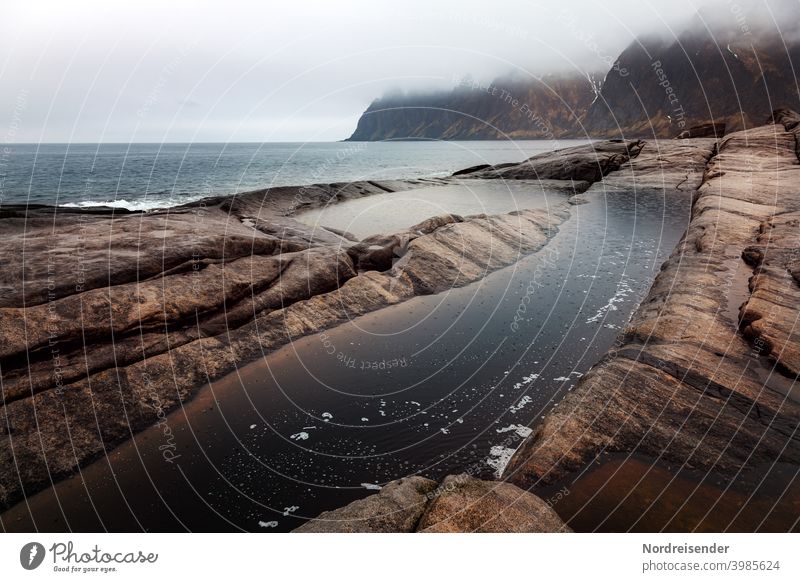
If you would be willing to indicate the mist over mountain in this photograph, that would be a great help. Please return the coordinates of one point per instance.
(731, 64)
(507, 108)
(729, 67)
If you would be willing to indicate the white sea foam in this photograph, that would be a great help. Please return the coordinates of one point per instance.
(524, 401)
(520, 429)
(499, 456)
(525, 381)
(623, 290)
(144, 204)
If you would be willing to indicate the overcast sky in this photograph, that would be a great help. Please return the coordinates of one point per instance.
(118, 71)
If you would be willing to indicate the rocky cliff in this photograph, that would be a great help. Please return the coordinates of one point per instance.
(543, 108)
(719, 68)
(728, 66)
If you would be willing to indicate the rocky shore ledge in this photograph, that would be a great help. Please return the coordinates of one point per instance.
(109, 319)
(702, 379)
(460, 503)
(704, 375)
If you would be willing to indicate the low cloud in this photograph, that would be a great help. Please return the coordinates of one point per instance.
(233, 71)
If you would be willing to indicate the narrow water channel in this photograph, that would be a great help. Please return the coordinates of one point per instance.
(431, 386)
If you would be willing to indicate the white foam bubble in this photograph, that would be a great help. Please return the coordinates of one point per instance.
(498, 459)
(524, 401)
(520, 429)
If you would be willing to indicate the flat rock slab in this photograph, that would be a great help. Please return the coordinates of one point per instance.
(583, 163)
(664, 165)
(397, 508)
(460, 503)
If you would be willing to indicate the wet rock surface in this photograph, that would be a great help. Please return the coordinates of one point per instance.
(397, 508)
(466, 504)
(704, 375)
(460, 503)
(583, 164)
(666, 166)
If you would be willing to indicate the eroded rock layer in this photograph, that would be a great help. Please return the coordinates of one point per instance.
(703, 377)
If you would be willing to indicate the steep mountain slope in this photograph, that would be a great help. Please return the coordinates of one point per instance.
(715, 70)
(731, 66)
(519, 109)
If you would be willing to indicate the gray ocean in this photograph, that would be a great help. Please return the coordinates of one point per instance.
(143, 176)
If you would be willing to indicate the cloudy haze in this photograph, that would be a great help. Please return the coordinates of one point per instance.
(279, 71)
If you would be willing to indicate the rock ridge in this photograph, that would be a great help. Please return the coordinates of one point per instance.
(685, 384)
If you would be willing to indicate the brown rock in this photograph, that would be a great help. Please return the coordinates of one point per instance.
(715, 130)
(465, 504)
(684, 384)
(395, 509)
(583, 163)
(459, 504)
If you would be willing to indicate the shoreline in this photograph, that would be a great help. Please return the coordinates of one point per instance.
(707, 407)
(360, 294)
(295, 280)
(325, 162)
(673, 168)
(679, 167)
